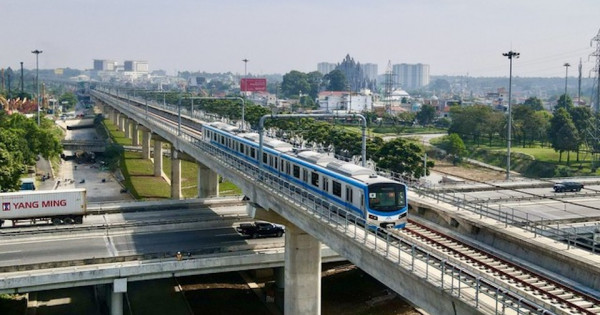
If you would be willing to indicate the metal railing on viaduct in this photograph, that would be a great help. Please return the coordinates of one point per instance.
(428, 279)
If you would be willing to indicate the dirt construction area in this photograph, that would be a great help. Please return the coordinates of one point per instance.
(468, 171)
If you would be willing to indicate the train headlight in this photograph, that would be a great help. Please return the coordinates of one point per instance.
(373, 217)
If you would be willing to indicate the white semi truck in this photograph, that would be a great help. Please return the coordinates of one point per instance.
(56, 206)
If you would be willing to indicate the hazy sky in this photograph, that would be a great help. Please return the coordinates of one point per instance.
(455, 37)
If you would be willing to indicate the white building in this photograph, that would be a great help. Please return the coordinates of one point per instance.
(331, 101)
(105, 65)
(135, 66)
(410, 76)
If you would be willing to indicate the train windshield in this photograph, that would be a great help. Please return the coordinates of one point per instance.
(387, 197)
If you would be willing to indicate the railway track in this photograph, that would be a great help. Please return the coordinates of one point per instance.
(514, 281)
(556, 296)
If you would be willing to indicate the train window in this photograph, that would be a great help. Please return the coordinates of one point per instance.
(387, 197)
(253, 153)
(326, 184)
(287, 168)
(222, 139)
(214, 136)
(305, 176)
(241, 148)
(296, 171)
(349, 193)
(281, 166)
(271, 160)
(337, 188)
(314, 179)
(275, 162)
(208, 134)
(264, 158)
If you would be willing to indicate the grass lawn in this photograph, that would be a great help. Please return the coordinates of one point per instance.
(375, 131)
(140, 179)
(116, 135)
(535, 161)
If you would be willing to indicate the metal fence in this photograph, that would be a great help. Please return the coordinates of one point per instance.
(453, 276)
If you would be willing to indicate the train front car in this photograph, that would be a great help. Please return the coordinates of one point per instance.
(387, 206)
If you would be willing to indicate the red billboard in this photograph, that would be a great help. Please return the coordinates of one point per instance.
(253, 85)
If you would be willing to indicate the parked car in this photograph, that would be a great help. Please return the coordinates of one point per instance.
(567, 186)
(27, 183)
(260, 229)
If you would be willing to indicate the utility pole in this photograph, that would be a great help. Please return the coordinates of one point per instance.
(566, 65)
(22, 86)
(245, 66)
(579, 84)
(597, 71)
(511, 54)
(37, 82)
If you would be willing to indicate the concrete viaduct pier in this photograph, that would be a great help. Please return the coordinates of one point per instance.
(152, 149)
(302, 269)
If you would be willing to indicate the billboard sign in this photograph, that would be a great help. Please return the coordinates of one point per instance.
(253, 85)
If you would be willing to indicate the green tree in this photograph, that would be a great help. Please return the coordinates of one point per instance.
(523, 117)
(426, 115)
(454, 146)
(315, 80)
(565, 102)
(542, 122)
(254, 113)
(68, 100)
(470, 121)
(294, 83)
(562, 133)
(534, 103)
(10, 167)
(335, 81)
(582, 119)
(495, 121)
(402, 157)
(21, 141)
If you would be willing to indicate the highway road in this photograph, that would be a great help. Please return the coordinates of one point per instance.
(162, 234)
(540, 203)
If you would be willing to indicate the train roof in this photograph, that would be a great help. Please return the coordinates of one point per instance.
(349, 169)
(315, 157)
(268, 142)
(223, 126)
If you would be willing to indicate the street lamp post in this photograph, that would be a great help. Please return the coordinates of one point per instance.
(245, 60)
(511, 54)
(566, 65)
(37, 53)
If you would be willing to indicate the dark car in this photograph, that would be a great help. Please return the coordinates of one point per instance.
(260, 229)
(567, 186)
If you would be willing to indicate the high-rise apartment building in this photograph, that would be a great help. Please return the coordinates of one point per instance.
(135, 66)
(410, 76)
(325, 67)
(104, 65)
(370, 71)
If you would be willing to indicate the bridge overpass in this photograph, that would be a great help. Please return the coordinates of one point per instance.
(307, 223)
(84, 145)
(392, 264)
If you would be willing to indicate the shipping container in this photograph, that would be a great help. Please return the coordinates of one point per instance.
(57, 206)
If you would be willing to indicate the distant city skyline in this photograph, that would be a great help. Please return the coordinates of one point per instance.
(458, 37)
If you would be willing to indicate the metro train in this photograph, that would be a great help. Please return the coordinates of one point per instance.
(341, 186)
